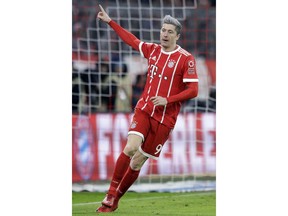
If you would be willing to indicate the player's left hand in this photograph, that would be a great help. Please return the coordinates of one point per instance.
(159, 101)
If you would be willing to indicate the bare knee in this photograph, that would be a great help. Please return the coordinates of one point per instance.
(130, 150)
(133, 143)
(137, 161)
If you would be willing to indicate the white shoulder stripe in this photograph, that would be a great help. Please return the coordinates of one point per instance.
(184, 52)
(190, 80)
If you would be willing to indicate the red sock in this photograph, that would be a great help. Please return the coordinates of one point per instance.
(121, 166)
(128, 179)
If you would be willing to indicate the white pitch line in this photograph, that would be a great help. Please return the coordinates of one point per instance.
(90, 203)
(144, 198)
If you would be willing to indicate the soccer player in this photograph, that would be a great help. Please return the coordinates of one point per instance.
(171, 79)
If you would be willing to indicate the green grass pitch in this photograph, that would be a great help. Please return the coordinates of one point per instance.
(192, 204)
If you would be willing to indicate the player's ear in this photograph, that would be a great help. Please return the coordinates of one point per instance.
(177, 37)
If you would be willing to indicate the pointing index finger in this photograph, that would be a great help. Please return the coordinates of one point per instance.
(101, 8)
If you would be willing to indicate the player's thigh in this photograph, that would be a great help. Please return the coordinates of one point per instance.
(138, 130)
(155, 140)
(140, 124)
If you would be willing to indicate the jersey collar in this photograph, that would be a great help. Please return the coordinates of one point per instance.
(171, 52)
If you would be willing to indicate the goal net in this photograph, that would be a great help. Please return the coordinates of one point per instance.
(108, 78)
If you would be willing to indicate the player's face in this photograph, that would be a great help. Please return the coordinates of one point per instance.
(168, 37)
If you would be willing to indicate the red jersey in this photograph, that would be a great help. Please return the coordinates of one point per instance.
(169, 74)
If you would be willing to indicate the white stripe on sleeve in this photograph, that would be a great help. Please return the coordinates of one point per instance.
(190, 80)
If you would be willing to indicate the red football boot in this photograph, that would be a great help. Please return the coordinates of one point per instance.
(109, 200)
(103, 209)
(109, 204)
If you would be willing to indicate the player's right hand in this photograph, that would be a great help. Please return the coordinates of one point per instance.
(102, 15)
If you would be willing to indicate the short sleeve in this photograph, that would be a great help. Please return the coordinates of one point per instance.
(190, 72)
(146, 49)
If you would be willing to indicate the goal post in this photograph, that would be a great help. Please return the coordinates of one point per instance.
(108, 78)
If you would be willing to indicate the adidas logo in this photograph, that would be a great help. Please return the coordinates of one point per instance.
(154, 58)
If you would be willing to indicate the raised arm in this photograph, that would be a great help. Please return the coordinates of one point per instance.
(125, 35)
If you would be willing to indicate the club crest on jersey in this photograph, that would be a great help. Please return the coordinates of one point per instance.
(133, 124)
(171, 63)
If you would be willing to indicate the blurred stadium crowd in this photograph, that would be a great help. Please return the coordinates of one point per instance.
(101, 80)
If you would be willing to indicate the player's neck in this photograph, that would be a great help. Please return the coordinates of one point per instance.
(170, 49)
